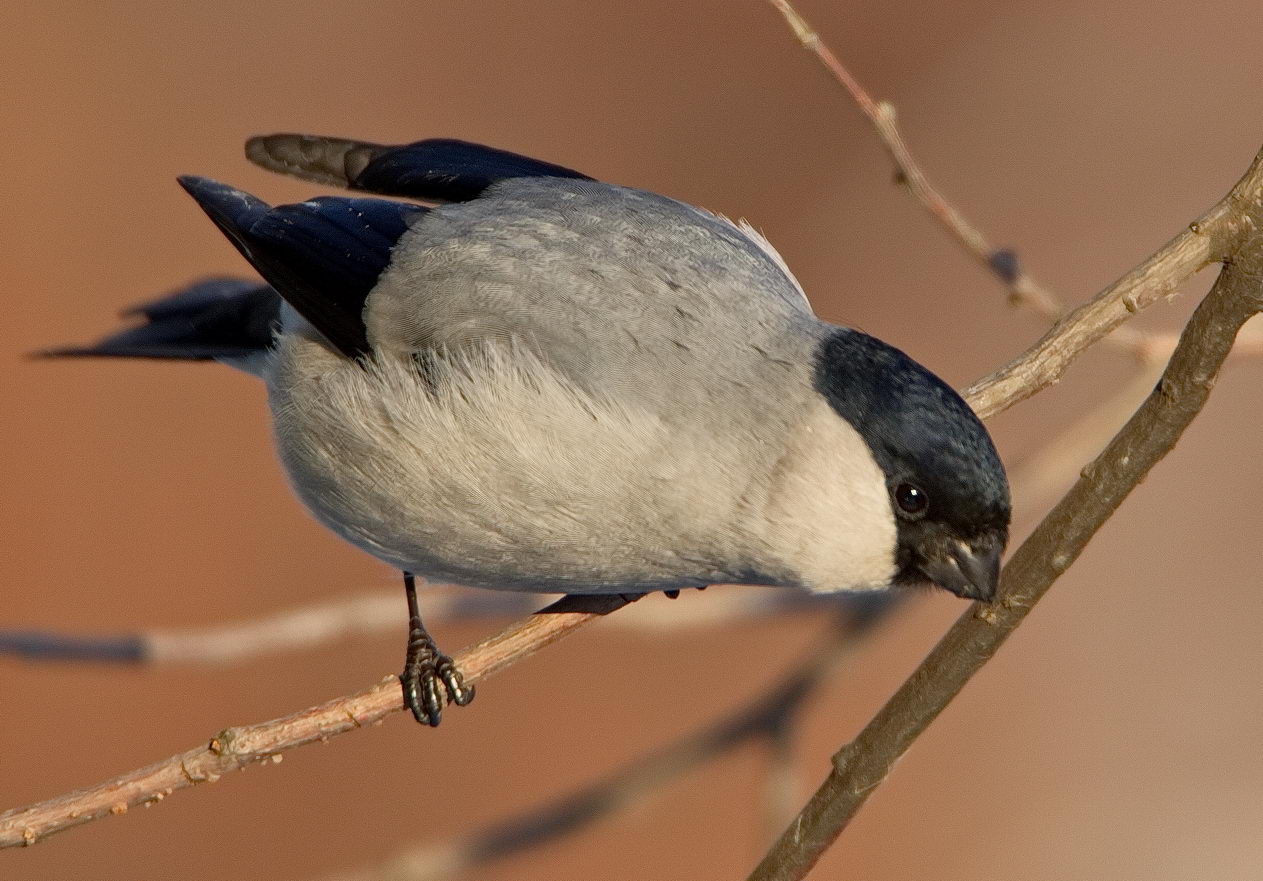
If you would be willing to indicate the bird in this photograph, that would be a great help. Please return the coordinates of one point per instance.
(491, 370)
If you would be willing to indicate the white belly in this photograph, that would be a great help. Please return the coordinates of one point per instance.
(499, 473)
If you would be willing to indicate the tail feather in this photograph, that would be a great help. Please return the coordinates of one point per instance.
(218, 319)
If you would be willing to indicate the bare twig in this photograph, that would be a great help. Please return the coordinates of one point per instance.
(1023, 289)
(236, 748)
(1216, 237)
(372, 612)
(767, 716)
(1043, 476)
(1206, 241)
(861, 766)
(780, 794)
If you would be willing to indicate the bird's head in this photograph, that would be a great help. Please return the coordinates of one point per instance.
(948, 491)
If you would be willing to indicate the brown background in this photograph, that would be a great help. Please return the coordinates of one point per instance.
(1117, 736)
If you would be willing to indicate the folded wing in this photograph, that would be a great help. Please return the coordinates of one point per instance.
(435, 170)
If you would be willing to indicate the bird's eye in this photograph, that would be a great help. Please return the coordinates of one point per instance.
(912, 500)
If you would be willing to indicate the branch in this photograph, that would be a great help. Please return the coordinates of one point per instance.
(1040, 478)
(1209, 239)
(1003, 263)
(236, 748)
(861, 766)
(317, 624)
(1214, 238)
(767, 716)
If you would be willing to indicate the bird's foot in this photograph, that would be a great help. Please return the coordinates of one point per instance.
(430, 679)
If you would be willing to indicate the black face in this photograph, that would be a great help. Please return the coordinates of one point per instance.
(948, 490)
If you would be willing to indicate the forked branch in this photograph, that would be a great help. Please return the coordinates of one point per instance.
(862, 765)
(1209, 239)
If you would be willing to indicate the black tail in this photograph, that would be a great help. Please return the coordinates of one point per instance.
(219, 318)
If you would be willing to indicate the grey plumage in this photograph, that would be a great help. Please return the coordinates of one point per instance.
(554, 383)
(606, 408)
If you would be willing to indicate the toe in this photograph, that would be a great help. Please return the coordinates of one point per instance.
(460, 693)
(432, 699)
(411, 682)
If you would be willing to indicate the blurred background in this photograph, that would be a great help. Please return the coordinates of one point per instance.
(1116, 736)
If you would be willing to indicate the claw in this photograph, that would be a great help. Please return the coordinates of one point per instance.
(432, 701)
(460, 693)
(429, 678)
(429, 681)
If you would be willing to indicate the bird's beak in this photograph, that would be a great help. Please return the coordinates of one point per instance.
(971, 571)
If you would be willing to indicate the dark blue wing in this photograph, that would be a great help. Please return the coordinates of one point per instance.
(449, 170)
(322, 256)
(436, 170)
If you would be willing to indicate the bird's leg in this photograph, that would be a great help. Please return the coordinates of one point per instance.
(425, 668)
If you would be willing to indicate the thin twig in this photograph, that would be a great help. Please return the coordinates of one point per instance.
(236, 748)
(1023, 289)
(1040, 478)
(1044, 363)
(781, 785)
(1214, 238)
(862, 765)
(371, 612)
(767, 715)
